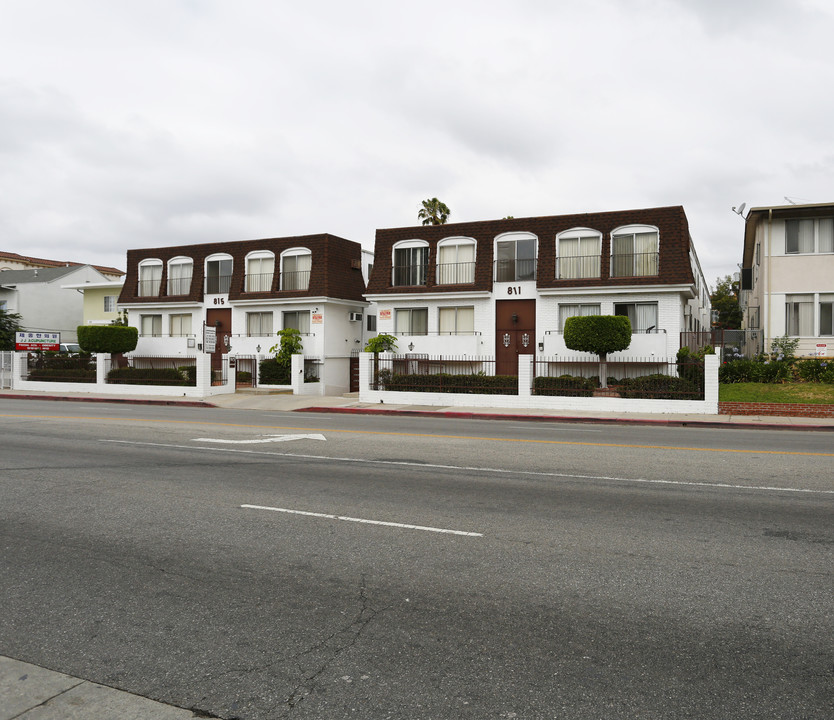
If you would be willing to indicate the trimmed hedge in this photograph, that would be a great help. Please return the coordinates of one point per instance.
(271, 373)
(65, 374)
(107, 338)
(474, 384)
(151, 376)
(659, 387)
(599, 334)
(565, 385)
(756, 371)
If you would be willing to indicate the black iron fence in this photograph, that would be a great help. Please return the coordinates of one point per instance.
(52, 367)
(152, 370)
(422, 373)
(730, 344)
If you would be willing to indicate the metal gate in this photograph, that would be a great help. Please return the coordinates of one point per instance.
(5, 370)
(247, 371)
(354, 371)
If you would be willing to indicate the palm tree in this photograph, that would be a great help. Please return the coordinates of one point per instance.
(434, 212)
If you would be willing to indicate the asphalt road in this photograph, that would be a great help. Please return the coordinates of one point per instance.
(315, 566)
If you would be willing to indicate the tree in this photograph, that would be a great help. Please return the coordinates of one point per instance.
(9, 325)
(599, 334)
(381, 343)
(725, 300)
(434, 212)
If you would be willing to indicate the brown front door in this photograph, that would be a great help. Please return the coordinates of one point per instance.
(515, 333)
(222, 320)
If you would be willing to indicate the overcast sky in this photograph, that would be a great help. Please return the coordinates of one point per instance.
(168, 122)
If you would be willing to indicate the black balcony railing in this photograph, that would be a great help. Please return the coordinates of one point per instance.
(455, 273)
(258, 282)
(580, 266)
(409, 275)
(515, 270)
(635, 264)
(218, 285)
(179, 286)
(149, 288)
(295, 280)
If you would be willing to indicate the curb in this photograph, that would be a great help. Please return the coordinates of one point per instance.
(119, 400)
(714, 424)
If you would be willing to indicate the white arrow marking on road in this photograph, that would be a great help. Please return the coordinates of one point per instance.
(265, 439)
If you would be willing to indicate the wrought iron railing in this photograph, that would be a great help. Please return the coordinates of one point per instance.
(515, 270)
(447, 374)
(179, 286)
(295, 280)
(405, 275)
(579, 266)
(218, 285)
(635, 264)
(462, 273)
(258, 282)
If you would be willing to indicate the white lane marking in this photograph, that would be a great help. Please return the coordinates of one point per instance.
(263, 439)
(328, 516)
(505, 471)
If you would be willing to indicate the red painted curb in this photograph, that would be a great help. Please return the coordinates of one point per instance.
(124, 401)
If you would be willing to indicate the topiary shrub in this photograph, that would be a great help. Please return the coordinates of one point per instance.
(107, 338)
(598, 334)
(569, 385)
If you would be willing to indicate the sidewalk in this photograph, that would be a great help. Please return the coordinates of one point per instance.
(30, 692)
(279, 402)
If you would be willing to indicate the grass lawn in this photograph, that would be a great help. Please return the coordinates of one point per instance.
(812, 393)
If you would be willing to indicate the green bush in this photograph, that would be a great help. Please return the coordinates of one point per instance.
(756, 371)
(149, 376)
(244, 376)
(659, 387)
(565, 385)
(107, 338)
(65, 374)
(815, 370)
(598, 334)
(271, 373)
(189, 372)
(472, 384)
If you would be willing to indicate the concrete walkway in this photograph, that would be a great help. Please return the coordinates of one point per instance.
(280, 402)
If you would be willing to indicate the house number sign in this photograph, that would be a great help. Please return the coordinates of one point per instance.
(506, 339)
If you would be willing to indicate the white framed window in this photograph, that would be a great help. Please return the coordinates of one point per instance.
(259, 324)
(515, 257)
(634, 251)
(826, 310)
(456, 261)
(150, 277)
(411, 321)
(567, 310)
(297, 320)
(643, 316)
(578, 253)
(296, 264)
(260, 270)
(799, 315)
(218, 274)
(151, 325)
(180, 271)
(809, 236)
(410, 262)
(110, 303)
(180, 325)
(456, 320)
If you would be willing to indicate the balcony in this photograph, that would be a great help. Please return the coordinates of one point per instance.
(577, 266)
(295, 280)
(218, 285)
(462, 273)
(179, 286)
(515, 270)
(149, 288)
(258, 282)
(409, 275)
(635, 264)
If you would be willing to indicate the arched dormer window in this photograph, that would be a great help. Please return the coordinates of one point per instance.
(150, 277)
(634, 251)
(456, 261)
(296, 264)
(515, 257)
(260, 269)
(180, 271)
(410, 261)
(218, 274)
(577, 253)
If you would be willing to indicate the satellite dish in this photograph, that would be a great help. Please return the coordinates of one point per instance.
(740, 209)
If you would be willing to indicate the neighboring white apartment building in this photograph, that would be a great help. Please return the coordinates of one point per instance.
(787, 279)
(504, 288)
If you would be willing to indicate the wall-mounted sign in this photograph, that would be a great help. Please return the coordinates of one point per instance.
(35, 341)
(822, 349)
(209, 338)
(385, 314)
(317, 319)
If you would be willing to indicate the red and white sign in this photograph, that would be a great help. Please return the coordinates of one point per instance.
(822, 349)
(37, 341)
(317, 319)
(385, 314)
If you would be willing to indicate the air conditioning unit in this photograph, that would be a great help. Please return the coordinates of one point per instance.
(355, 317)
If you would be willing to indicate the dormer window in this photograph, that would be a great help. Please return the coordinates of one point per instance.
(577, 254)
(456, 261)
(218, 274)
(634, 251)
(150, 277)
(515, 257)
(296, 264)
(180, 270)
(260, 269)
(411, 260)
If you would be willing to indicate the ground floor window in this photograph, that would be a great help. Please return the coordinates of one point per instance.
(567, 310)
(643, 316)
(297, 320)
(826, 314)
(799, 315)
(109, 303)
(180, 325)
(151, 325)
(411, 321)
(457, 320)
(259, 324)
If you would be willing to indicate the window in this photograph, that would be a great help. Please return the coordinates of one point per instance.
(297, 320)
(566, 311)
(180, 325)
(799, 315)
(826, 233)
(578, 254)
(151, 325)
(753, 318)
(410, 262)
(371, 323)
(826, 314)
(259, 324)
(218, 275)
(180, 271)
(150, 276)
(260, 269)
(411, 321)
(109, 303)
(808, 236)
(455, 262)
(643, 316)
(295, 269)
(634, 252)
(515, 259)
(457, 320)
